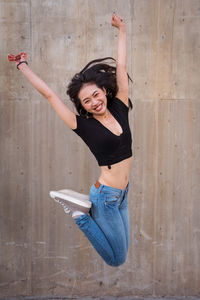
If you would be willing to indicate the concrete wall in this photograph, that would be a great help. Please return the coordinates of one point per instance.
(42, 252)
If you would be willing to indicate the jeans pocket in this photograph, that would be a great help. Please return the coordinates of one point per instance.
(112, 199)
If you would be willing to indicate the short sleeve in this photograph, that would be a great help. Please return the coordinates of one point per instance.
(119, 107)
(121, 104)
(81, 124)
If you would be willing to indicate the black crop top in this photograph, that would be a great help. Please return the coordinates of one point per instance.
(107, 147)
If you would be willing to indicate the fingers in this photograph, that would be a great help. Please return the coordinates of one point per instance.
(116, 18)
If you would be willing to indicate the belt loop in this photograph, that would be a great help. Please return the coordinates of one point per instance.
(127, 189)
(100, 188)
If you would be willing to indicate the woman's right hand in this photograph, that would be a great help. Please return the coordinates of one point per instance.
(17, 58)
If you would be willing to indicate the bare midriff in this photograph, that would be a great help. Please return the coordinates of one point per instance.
(118, 175)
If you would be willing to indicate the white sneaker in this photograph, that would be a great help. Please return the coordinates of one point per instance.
(72, 201)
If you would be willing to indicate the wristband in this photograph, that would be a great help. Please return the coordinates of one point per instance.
(22, 62)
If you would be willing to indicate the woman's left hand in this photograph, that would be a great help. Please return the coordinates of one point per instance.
(117, 21)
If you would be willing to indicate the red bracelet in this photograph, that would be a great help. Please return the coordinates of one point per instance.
(21, 62)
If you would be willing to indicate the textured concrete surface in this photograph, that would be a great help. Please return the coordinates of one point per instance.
(67, 298)
(99, 298)
(41, 250)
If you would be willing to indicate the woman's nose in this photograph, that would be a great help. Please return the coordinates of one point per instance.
(94, 102)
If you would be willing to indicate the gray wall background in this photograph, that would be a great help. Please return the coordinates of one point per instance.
(42, 252)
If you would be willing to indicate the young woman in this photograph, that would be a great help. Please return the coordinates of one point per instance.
(100, 95)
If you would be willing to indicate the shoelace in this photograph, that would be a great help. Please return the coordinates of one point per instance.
(66, 209)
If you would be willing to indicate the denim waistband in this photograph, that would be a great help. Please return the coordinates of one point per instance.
(105, 188)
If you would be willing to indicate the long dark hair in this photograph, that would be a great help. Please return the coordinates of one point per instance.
(102, 74)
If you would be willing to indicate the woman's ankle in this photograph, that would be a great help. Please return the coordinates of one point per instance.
(77, 214)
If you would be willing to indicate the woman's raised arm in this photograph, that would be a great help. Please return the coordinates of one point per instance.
(122, 77)
(61, 109)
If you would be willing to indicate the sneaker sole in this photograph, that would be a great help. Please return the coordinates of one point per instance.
(86, 204)
(74, 194)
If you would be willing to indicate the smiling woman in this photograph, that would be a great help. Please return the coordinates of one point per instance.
(100, 95)
(92, 98)
(103, 77)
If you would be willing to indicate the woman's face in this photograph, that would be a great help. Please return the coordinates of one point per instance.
(93, 99)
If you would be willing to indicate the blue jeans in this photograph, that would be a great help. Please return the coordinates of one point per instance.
(107, 226)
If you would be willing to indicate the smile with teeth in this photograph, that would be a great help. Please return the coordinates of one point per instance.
(99, 107)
